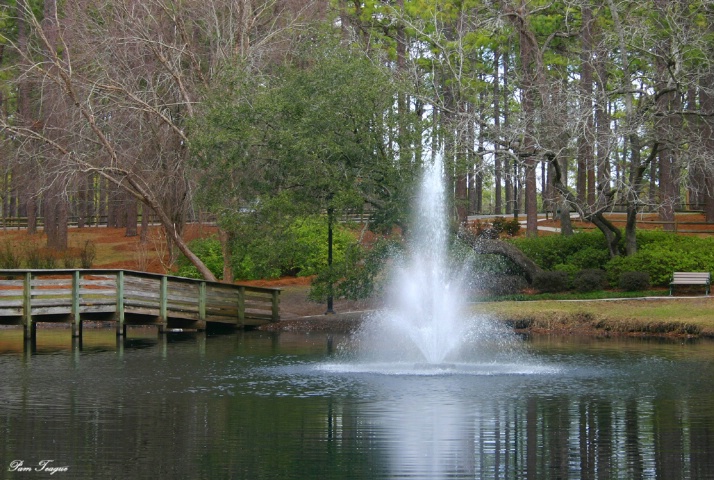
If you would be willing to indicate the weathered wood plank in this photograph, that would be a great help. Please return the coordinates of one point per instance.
(31, 294)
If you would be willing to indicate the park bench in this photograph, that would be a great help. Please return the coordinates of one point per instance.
(690, 278)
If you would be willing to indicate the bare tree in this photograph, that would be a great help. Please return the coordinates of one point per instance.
(130, 74)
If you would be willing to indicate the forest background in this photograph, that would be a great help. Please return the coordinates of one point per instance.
(272, 119)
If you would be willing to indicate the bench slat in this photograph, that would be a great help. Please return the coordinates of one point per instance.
(690, 278)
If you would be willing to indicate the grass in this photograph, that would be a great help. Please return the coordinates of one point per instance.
(654, 316)
(597, 295)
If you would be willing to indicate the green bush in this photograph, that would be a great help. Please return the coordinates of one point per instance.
(571, 270)
(298, 250)
(589, 258)
(359, 274)
(634, 281)
(589, 280)
(551, 282)
(582, 250)
(209, 251)
(660, 254)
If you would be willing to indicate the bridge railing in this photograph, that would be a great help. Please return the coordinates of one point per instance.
(73, 295)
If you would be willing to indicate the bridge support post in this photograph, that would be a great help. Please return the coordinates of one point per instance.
(76, 316)
(241, 305)
(121, 326)
(201, 324)
(163, 304)
(30, 328)
(276, 306)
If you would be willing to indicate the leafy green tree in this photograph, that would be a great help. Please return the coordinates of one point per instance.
(305, 138)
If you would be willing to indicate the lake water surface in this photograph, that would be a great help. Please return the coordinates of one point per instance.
(286, 406)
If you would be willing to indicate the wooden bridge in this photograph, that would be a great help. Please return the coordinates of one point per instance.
(129, 298)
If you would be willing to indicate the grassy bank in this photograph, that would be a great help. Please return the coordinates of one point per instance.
(646, 316)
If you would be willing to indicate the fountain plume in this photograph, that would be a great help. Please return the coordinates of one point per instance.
(425, 321)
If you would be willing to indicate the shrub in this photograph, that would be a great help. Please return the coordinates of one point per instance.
(40, 258)
(674, 254)
(69, 260)
(571, 270)
(359, 274)
(87, 254)
(584, 250)
(209, 251)
(589, 280)
(493, 229)
(634, 281)
(9, 257)
(500, 284)
(551, 282)
(507, 227)
(299, 249)
(589, 257)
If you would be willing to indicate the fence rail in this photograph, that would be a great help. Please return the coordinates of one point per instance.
(129, 298)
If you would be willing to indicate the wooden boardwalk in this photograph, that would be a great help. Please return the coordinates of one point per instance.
(129, 298)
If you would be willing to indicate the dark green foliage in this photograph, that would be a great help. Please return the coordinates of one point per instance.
(310, 135)
(297, 249)
(582, 250)
(360, 272)
(551, 281)
(209, 251)
(634, 281)
(589, 280)
(660, 254)
(499, 284)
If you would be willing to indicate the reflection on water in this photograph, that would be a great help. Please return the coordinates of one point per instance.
(256, 405)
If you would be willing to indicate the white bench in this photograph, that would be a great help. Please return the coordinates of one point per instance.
(690, 278)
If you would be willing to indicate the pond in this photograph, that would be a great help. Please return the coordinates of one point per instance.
(259, 405)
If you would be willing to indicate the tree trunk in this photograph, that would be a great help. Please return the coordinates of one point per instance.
(132, 216)
(586, 163)
(145, 213)
(706, 100)
(225, 238)
(497, 167)
(56, 205)
(529, 71)
(28, 185)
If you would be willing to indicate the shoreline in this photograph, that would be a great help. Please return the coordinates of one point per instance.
(673, 317)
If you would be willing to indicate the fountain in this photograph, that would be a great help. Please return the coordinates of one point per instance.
(427, 327)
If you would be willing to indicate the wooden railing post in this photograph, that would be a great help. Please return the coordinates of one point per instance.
(121, 327)
(29, 331)
(241, 305)
(163, 304)
(76, 317)
(202, 303)
(276, 306)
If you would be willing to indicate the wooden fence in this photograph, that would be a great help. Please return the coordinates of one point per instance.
(129, 298)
